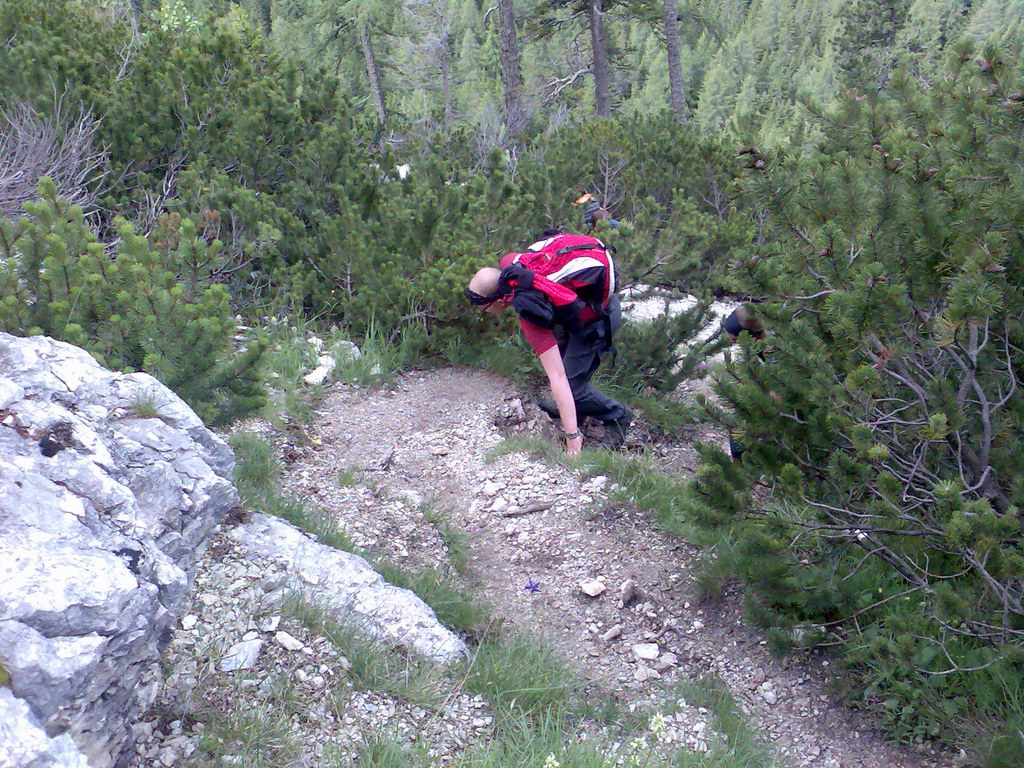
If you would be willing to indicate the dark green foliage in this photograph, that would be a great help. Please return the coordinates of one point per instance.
(864, 41)
(128, 308)
(58, 48)
(661, 353)
(884, 412)
(881, 420)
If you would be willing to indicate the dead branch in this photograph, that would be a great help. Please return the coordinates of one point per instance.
(560, 84)
(61, 147)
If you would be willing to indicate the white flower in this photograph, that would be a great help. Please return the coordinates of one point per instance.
(639, 743)
(657, 725)
(550, 762)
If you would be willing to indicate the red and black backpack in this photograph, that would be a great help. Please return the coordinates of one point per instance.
(565, 279)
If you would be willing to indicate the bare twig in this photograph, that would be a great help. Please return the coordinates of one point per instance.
(61, 147)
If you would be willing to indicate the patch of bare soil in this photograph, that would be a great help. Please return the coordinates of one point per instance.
(424, 444)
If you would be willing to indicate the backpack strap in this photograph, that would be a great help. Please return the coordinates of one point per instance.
(596, 246)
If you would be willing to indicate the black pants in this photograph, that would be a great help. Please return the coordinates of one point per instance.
(581, 355)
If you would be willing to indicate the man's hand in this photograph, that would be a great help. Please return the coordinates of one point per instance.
(521, 275)
(574, 446)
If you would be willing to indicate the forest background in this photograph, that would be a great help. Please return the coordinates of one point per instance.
(174, 174)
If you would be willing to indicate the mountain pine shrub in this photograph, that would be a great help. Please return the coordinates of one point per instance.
(877, 507)
(138, 309)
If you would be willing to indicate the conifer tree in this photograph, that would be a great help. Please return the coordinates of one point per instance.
(877, 503)
(549, 19)
(864, 40)
(132, 311)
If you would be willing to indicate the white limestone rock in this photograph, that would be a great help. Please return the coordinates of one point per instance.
(103, 515)
(241, 655)
(24, 744)
(347, 586)
(646, 651)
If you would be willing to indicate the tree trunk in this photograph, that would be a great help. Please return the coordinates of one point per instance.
(600, 53)
(676, 86)
(265, 12)
(446, 82)
(511, 77)
(446, 76)
(373, 73)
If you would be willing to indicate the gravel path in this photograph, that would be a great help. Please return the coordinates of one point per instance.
(425, 444)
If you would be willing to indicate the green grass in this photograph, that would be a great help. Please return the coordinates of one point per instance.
(533, 447)
(454, 606)
(291, 357)
(313, 520)
(256, 464)
(510, 356)
(256, 735)
(524, 675)
(536, 742)
(456, 542)
(742, 747)
(145, 405)
(381, 358)
(349, 477)
(390, 750)
(540, 705)
(643, 486)
(376, 665)
(259, 733)
(257, 470)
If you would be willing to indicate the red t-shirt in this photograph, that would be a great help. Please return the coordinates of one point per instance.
(541, 339)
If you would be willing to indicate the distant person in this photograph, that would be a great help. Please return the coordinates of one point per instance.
(741, 320)
(738, 322)
(594, 212)
(563, 289)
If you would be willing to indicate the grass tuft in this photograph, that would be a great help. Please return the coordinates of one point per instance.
(391, 750)
(349, 477)
(375, 665)
(742, 747)
(257, 469)
(260, 734)
(145, 405)
(256, 465)
(523, 675)
(644, 487)
(454, 607)
(456, 542)
(533, 447)
(380, 360)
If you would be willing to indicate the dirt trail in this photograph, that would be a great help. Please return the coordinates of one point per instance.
(426, 442)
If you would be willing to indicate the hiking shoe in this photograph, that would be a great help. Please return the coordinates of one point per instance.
(615, 429)
(550, 407)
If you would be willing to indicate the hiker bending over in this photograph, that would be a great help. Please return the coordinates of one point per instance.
(741, 321)
(563, 289)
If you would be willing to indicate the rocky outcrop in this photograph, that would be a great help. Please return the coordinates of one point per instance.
(109, 489)
(345, 585)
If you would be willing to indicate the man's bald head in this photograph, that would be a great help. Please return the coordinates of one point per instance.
(485, 282)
